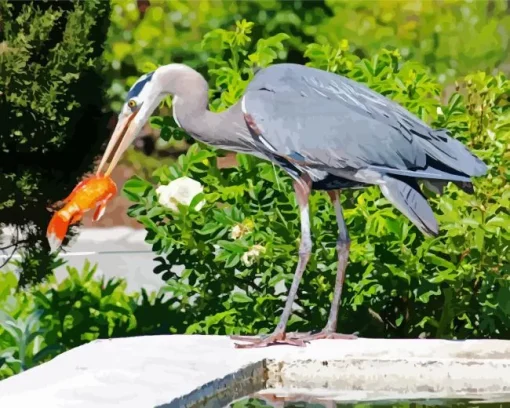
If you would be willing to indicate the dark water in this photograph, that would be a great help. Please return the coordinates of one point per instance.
(295, 402)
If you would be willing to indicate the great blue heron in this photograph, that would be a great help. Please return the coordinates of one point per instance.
(327, 132)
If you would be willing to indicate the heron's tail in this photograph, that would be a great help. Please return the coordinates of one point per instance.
(445, 151)
(411, 203)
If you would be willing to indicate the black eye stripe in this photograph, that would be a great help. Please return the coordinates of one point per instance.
(137, 88)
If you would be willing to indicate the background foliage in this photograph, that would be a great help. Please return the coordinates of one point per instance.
(240, 250)
(51, 317)
(452, 38)
(51, 100)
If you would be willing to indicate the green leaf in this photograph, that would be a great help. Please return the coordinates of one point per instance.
(156, 122)
(135, 188)
(196, 200)
(209, 228)
(238, 297)
(233, 260)
(436, 260)
(234, 247)
(46, 352)
(479, 238)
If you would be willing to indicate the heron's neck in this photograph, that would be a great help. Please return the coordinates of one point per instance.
(190, 110)
(225, 129)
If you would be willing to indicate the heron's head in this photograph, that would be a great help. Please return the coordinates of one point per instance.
(142, 100)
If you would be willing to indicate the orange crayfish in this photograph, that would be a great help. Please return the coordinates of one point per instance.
(94, 191)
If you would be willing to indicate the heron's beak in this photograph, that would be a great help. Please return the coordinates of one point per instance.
(122, 137)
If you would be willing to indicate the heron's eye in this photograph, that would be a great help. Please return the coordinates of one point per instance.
(132, 104)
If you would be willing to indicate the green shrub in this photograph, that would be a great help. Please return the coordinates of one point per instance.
(399, 284)
(453, 38)
(49, 318)
(51, 100)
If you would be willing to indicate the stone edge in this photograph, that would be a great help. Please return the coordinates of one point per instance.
(220, 392)
(403, 376)
(460, 376)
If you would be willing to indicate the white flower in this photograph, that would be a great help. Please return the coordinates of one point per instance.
(252, 254)
(241, 229)
(237, 232)
(182, 191)
(439, 111)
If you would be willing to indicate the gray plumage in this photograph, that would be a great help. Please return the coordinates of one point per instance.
(309, 119)
(357, 126)
(411, 203)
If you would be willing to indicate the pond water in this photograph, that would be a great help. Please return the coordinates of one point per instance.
(271, 400)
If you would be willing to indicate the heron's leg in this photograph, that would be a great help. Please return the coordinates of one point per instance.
(342, 247)
(302, 187)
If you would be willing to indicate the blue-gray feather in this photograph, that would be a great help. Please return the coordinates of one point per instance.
(411, 203)
(339, 125)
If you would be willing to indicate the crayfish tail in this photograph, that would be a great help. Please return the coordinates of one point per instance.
(57, 230)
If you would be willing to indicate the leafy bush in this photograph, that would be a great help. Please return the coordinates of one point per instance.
(242, 246)
(38, 323)
(51, 102)
(452, 38)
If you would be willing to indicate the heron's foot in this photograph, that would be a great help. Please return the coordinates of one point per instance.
(327, 334)
(271, 340)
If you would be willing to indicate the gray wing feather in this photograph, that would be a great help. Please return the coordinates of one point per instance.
(332, 122)
(411, 203)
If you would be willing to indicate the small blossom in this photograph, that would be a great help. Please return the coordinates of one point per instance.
(179, 191)
(344, 45)
(241, 229)
(439, 111)
(237, 231)
(252, 254)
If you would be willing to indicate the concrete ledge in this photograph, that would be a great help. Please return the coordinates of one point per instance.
(207, 371)
(398, 376)
(220, 392)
